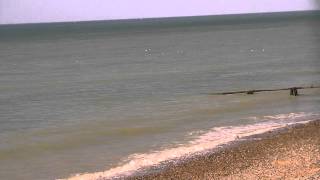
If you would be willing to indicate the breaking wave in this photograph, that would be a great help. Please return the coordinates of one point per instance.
(213, 138)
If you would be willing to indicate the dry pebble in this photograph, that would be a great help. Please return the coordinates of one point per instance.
(292, 153)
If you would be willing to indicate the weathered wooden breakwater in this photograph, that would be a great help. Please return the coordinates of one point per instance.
(293, 90)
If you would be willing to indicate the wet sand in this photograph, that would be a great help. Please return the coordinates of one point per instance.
(289, 153)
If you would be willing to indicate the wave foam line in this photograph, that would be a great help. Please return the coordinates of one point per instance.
(215, 137)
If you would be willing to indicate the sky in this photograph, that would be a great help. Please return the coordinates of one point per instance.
(36, 11)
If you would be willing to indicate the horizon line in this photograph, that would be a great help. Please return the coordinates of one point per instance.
(290, 13)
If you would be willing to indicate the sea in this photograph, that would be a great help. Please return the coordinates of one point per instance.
(117, 97)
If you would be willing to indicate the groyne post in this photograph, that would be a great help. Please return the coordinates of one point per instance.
(291, 91)
(250, 92)
(294, 91)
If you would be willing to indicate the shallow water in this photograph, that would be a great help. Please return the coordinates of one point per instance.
(90, 101)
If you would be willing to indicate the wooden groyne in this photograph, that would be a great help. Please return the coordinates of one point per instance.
(293, 90)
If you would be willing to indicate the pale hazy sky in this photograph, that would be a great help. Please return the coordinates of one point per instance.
(31, 11)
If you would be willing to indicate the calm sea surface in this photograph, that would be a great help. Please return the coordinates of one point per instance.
(92, 100)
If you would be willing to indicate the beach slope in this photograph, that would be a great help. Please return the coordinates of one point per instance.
(290, 153)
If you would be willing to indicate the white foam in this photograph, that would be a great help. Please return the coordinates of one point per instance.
(215, 137)
(288, 117)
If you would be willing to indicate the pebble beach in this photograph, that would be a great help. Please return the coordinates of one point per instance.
(292, 152)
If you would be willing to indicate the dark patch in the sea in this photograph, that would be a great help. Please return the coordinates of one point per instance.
(88, 29)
